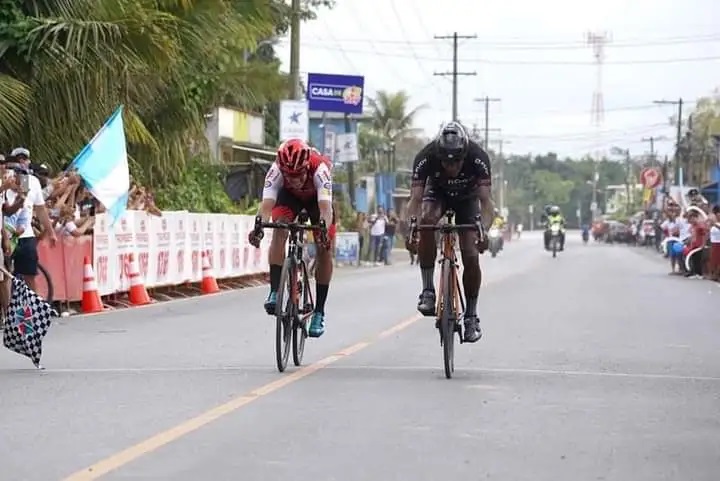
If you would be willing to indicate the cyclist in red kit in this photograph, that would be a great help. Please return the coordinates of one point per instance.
(299, 179)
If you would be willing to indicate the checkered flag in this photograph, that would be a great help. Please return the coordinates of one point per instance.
(28, 320)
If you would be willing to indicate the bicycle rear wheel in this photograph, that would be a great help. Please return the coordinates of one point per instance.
(44, 284)
(306, 308)
(285, 311)
(447, 318)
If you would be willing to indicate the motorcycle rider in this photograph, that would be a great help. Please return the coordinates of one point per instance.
(585, 232)
(554, 216)
(499, 224)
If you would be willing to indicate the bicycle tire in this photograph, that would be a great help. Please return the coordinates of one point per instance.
(50, 289)
(447, 320)
(284, 313)
(300, 332)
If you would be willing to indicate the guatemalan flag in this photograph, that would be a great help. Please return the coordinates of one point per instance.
(103, 165)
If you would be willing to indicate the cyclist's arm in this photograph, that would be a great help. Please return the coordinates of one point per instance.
(323, 186)
(420, 173)
(271, 189)
(483, 186)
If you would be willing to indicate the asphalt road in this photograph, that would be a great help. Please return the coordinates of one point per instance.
(592, 367)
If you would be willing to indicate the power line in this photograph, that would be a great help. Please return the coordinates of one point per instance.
(544, 45)
(489, 61)
(455, 72)
(409, 44)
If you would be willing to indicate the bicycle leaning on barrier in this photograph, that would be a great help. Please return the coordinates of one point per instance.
(450, 304)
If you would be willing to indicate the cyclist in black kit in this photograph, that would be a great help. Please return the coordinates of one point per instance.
(451, 172)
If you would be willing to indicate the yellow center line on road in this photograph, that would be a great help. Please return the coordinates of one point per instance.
(122, 458)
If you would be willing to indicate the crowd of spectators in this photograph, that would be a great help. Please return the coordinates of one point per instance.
(40, 204)
(691, 237)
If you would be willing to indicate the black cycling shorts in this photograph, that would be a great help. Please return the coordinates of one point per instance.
(465, 207)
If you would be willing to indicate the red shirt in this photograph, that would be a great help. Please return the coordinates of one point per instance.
(699, 236)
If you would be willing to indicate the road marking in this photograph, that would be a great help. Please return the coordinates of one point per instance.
(151, 444)
(549, 372)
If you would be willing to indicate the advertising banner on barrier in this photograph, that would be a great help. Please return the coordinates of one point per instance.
(335, 93)
(169, 249)
(347, 247)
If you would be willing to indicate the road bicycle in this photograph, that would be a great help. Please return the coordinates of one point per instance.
(295, 300)
(450, 301)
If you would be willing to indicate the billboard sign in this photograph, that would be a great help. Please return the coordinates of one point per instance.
(335, 93)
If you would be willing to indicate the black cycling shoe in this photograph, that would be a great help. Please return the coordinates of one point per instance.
(426, 306)
(472, 331)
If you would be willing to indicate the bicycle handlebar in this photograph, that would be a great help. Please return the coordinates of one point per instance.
(293, 226)
(447, 228)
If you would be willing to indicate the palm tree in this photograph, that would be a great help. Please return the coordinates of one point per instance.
(67, 64)
(391, 118)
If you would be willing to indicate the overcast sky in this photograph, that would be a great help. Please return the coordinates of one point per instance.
(532, 55)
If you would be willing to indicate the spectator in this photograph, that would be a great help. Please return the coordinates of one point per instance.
(360, 225)
(714, 269)
(390, 231)
(27, 195)
(671, 228)
(698, 239)
(377, 233)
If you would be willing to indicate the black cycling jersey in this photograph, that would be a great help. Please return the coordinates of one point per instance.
(428, 172)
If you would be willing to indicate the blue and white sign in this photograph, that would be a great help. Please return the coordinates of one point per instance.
(347, 247)
(294, 121)
(335, 93)
(346, 148)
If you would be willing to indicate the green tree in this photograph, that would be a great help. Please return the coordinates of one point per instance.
(65, 65)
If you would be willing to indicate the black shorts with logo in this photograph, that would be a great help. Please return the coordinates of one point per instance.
(25, 257)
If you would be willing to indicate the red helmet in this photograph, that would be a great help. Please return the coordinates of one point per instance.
(293, 157)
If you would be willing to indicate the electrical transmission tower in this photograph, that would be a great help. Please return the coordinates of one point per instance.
(597, 41)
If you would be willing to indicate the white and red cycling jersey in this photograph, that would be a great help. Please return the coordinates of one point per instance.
(317, 184)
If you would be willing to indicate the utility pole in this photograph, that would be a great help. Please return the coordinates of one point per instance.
(652, 141)
(486, 100)
(295, 93)
(598, 41)
(501, 172)
(455, 37)
(679, 103)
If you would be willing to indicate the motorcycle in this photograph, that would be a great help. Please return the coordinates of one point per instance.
(555, 239)
(494, 241)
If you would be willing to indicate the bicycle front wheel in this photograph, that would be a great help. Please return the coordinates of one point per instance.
(300, 330)
(285, 311)
(448, 318)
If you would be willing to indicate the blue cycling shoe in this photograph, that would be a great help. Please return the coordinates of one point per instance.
(270, 303)
(317, 325)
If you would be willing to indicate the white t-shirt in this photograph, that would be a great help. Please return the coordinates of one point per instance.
(34, 198)
(684, 227)
(378, 228)
(715, 234)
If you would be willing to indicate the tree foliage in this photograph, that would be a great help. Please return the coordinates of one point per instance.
(545, 179)
(65, 65)
(697, 149)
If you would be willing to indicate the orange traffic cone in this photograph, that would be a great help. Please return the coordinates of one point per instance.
(208, 284)
(138, 295)
(90, 297)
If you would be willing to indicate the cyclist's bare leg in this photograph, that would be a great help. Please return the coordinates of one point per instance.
(323, 274)
(427, 254)
(472, 278)
(276, 257)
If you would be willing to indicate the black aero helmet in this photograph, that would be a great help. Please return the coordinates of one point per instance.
(452, 142)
